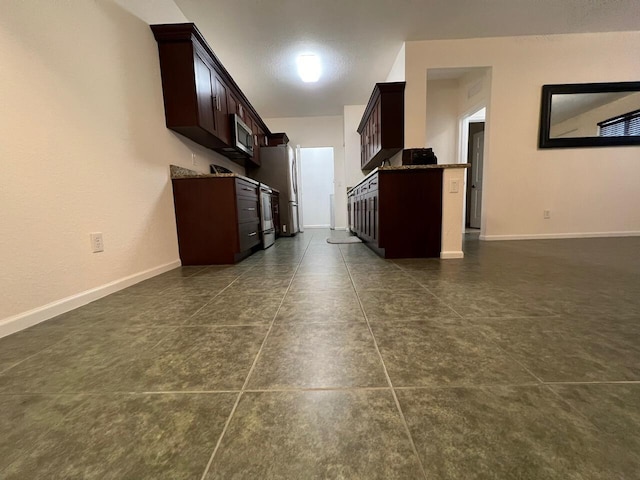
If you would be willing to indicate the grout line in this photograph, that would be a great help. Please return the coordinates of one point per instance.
(319, 389)
(386, 373)
(597, 382)
(253, 365)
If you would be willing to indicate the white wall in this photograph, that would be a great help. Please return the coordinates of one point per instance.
(589, 191)
(397, 72)
(352, 116)
(442, 119)
(319, 132)
(84, 148)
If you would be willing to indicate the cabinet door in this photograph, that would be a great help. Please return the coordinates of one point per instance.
(232, 103)
(223, 123)
(258, 138)
(204, 94)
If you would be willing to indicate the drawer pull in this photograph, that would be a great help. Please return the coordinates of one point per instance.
(251, 209)
(249, 189)
(252, 234)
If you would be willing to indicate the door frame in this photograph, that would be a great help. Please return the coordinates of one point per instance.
(477, 113)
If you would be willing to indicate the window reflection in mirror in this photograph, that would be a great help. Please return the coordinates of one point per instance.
(607, 114)
(576, 115)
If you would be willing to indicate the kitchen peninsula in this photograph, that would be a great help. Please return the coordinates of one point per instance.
(410, 211)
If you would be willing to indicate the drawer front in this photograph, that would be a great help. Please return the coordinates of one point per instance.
(246, 189)
(249, 235)
(247, 209)
(373, 183)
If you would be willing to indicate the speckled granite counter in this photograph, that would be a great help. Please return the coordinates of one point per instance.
(181, 172)
(390, 168)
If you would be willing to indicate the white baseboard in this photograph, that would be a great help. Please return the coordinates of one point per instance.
(543, 236)
(452, 254)
(29, 318)
(317, 226)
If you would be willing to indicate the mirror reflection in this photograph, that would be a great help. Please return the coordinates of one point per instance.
(606, 114)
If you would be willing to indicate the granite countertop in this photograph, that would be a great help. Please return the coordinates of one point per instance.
(183, 173)
(389, 168)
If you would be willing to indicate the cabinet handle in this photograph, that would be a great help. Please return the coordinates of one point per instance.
(250, 209)
(252, 234)
(248, 189)
(255, 140)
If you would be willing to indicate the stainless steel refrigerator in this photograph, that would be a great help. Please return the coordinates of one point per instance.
(279, 170)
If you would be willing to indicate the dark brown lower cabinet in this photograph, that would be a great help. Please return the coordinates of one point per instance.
(217, 219)
(398, 213)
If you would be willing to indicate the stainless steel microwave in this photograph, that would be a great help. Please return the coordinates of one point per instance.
(242, 135)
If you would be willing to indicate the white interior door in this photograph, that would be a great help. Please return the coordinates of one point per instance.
(316, 172)
(476, 180)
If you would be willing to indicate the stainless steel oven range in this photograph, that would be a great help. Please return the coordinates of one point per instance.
(267, 227)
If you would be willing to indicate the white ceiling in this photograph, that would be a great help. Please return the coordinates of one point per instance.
(358, 40)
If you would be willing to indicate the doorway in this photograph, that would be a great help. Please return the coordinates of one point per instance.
(316, 186)
(475, 156)
(472, 130)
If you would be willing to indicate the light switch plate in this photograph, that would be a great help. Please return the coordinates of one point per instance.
(454, 186)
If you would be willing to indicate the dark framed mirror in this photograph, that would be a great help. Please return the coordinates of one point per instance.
(590, 115)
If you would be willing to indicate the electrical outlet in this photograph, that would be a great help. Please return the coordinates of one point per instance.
(97, 244)
(194, 161)
(547, 214)
(454, 186)
(284, 228)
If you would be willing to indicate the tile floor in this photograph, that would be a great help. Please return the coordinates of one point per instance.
(311, 360)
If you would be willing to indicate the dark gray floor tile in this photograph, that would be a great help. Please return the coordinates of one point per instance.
(613, 408)
(390, 281)
(187, 271)
(425, 354)
(312, 270)
(406, 306)
(365, 266)
(328, 434)
(501, 432)
(160, 312)
(321, 283)
(340, 306)
(21, 345)
(223, 271)
(86, 361)
(271, 270)
(196, 359)
(559, 350)
(266, 284)
(239, 309)
(129, 436)
(24, 419)
(318, 355)
(199, 286)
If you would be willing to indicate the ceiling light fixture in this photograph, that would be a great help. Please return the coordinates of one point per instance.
(309, 68)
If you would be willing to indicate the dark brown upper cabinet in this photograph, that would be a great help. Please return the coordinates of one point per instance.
(382, 126)
(199, 94)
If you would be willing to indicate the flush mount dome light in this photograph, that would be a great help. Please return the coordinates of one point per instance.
(309, 68)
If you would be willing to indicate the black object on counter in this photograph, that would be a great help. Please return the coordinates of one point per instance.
(419, 156)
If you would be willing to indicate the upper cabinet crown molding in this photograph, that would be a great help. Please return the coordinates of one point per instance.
(382, 126)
